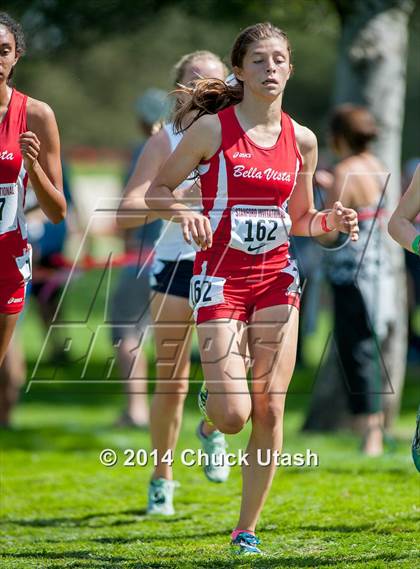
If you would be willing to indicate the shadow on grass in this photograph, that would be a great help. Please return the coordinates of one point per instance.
(79, 521)
(267, 561)
(369, 528)
(172, 538)
(64, 555)
(85, 521)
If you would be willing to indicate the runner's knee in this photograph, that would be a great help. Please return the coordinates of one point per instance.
(231, 422)
(172, 392)
(268, 416)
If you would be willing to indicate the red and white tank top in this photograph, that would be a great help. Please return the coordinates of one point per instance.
(13, 176)
(245, 190)
(13, 182)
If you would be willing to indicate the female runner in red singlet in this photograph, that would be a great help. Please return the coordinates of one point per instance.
(256, 166)
(29, 150)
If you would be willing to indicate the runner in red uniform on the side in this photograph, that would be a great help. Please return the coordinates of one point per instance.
(29, 150)
(256, 166)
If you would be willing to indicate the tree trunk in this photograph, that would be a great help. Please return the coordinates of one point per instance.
(371, 71)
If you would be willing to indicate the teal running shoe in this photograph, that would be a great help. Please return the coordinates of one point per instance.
(247, 544)
(214, 445)
(202, 400)
(160, 497)
(415, 447)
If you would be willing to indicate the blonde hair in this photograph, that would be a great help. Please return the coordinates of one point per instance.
(180, 69)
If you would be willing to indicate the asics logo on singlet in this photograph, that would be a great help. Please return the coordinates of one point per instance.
(14, 300)
(6, 155)
(241, 171)
(242, 155)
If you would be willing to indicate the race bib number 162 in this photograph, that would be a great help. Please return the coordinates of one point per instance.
(258, 229)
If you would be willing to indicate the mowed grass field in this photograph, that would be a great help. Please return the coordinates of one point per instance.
(61, 508)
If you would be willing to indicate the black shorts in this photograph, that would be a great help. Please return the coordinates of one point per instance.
(172, 277)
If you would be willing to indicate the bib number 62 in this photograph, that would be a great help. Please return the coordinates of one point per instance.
(201, 288)
(206, 290)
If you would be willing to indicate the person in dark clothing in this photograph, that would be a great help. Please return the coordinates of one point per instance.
(359, 271)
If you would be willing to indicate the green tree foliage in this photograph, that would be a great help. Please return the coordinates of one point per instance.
(92, 88)
(91, 59)
(61, 24)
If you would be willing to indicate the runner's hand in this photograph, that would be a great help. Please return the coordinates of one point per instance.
(30, 147)
(197, 226)
(344, 219)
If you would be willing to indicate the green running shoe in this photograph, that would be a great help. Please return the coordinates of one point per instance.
(160, 497)
(247, 544)
(415, 447)
(202, 400)
(214, 445)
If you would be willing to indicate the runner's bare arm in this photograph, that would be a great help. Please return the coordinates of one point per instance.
(306, 220)
(301, 204)
(40, 147)
(401, 225)
(338, 192)
(199, 143)
(133, 211)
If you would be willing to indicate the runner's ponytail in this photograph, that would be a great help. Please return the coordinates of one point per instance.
(206, 97)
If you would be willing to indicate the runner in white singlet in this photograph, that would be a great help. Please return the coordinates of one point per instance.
(170, 283)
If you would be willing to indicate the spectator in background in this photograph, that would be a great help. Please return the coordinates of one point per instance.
(359, 271)
(129, 312)
(309, 259)
(151, 109)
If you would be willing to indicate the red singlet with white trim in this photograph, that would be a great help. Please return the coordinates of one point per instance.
(15, 262)
(245, 190)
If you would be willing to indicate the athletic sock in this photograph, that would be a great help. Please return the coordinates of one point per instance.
(236, 532)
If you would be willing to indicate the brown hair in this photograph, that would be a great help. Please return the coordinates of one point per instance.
(355, 124)
(209, 96)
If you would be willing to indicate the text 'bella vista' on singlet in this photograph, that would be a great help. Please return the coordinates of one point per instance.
(245, 190)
